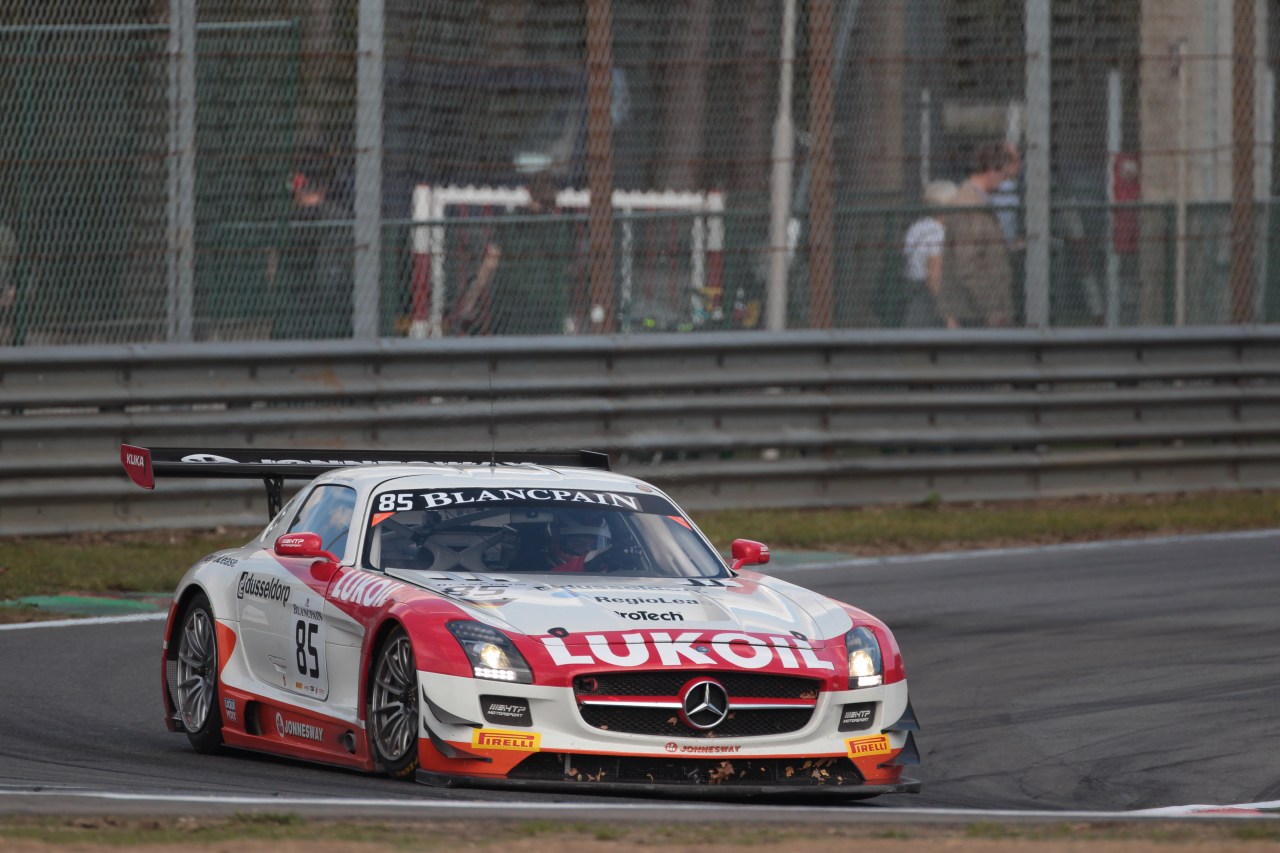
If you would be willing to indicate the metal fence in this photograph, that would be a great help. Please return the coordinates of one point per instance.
(797, 419)
(246, 169)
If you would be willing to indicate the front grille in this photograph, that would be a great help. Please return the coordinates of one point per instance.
(666, 722)
(745, 685)
(728, 772)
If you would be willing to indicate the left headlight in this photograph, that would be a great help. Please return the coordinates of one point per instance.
(865, 666)
(491, 652)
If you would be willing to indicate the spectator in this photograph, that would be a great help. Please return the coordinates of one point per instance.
(313, 273)
(520, 287)
(977, 278)
(923, 249)
(1005, 198)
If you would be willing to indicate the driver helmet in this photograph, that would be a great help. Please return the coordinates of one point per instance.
(579, 533)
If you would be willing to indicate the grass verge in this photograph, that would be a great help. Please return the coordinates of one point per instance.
(288, 832)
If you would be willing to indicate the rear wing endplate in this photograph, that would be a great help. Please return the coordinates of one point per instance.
(144, 464)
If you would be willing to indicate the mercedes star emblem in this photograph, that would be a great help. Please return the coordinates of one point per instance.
(704, 704)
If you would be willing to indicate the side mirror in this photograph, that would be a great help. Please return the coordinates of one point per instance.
(747, 552)
(303, 545)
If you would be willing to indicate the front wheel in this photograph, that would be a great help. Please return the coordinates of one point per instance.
(196, 694)
(393, 706)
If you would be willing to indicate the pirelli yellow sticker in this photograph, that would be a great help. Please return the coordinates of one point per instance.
(497, 739)
(874, 745)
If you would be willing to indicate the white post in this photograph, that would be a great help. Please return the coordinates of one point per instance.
(1262, 188)
(1180, 199)
(780, 186)
(1115, 144)
(367, 291)
(181, 266)
(1038, 97)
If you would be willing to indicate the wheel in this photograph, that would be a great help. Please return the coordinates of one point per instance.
(393, 707)
(196, 695)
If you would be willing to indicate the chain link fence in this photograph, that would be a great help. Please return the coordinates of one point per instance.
(305, 169)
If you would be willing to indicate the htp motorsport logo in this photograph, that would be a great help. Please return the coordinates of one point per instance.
(268, 589)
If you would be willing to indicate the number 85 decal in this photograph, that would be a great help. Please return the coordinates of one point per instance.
(312, 677)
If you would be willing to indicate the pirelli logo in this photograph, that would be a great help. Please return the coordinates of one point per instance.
(874, 745)
(495, 739)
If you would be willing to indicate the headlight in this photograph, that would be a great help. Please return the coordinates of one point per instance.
(491, 652)
(865, 668)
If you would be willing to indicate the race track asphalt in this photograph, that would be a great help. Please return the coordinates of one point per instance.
(1112, 677)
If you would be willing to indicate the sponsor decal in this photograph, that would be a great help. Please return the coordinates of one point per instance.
(135, 459)
(506, 710)
(646, 616)
(358, 587)
(207, 457)
(496, 739)
(874, 745)
(702, 748)
(290, 541)
(292, 728)
(222, 560)
(308, 611)
(526, 498)
(488, 595)
(857, 717)
(229, 709)
(636, 600)
(268, 589)
(691, 647)
(470, 496)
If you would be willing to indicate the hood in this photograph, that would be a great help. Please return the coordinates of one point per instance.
(755, 605)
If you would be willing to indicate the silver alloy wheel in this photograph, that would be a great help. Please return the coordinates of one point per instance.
(197, 670)
(394, 710)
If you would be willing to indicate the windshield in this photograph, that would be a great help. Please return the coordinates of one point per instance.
(535, 531)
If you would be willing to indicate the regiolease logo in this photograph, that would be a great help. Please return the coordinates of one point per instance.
(874, 745)
(495, 739)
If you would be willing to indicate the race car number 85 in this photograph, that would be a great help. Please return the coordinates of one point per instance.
(305, 634)
(395, 503)
(312, 676)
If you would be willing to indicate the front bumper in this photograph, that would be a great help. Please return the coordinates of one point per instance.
(551, 746)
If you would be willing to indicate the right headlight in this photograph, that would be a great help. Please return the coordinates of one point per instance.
(865, 666)
(491, 652)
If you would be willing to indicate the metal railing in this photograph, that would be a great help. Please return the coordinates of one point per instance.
(797, 419)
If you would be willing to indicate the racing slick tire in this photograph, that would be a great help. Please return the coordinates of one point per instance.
(195, 696)
(393, 707)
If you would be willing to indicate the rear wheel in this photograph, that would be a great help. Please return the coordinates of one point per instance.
(196, 694)
(393, 706)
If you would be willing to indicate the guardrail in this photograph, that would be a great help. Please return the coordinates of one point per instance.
(797, 419)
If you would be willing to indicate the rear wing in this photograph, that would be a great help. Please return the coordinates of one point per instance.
(144, 464)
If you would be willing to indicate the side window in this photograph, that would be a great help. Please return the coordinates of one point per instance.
(276, 526)
(328, 512)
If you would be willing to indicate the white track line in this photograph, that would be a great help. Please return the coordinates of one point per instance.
(93, 620)
(1246, 810)
(1063, 548)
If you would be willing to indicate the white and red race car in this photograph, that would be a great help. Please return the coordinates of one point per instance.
(519, 620)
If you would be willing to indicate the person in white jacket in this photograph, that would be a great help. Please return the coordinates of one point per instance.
(923, 250)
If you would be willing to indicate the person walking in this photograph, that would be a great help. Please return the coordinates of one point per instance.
(977, 278)
(922, 251)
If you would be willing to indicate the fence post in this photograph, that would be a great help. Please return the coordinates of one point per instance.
(366, 295)
(600, 164)
(1038, 96)
(182, 170)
